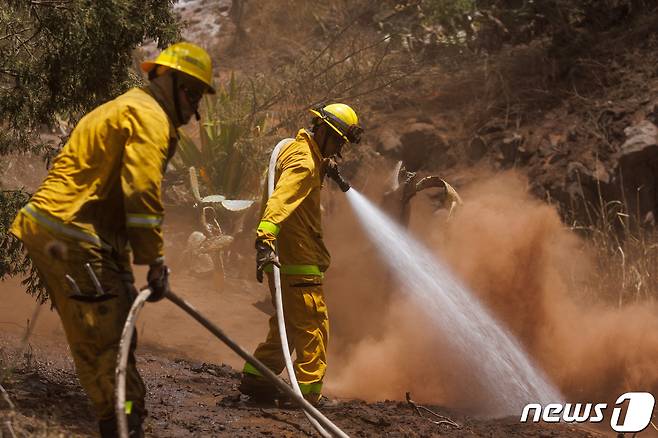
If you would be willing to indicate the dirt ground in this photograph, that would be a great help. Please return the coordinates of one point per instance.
(187, 398)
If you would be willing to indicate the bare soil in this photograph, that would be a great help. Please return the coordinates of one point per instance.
(190, 397)
(187, 398)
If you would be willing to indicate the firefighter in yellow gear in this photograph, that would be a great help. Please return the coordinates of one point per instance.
(101, 204)
(291, 222)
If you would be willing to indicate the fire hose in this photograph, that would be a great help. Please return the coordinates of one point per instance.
(124, 348)
(279, 300)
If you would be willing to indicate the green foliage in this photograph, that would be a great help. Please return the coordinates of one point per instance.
(232, 151)
(59, 59)
(13, 260)
(565, 25)
(449, 14)
(63, 57)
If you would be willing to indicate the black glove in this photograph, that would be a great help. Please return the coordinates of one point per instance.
(333, 172)
(158, 280)
(265, 255)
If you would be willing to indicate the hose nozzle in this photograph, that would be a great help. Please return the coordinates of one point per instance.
(334, 173)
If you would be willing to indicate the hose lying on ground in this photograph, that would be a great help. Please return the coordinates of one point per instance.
(124, 348)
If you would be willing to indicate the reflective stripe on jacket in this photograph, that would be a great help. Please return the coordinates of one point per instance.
(106, 180)
(292, 214)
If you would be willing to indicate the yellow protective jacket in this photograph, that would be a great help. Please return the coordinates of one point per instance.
(292, 214)
(104, 186)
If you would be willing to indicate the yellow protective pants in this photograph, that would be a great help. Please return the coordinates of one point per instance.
(93, 329)
(307, 326)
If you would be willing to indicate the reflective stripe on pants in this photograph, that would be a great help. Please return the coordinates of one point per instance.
(307, 322)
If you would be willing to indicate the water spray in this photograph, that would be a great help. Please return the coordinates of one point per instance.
(507, 371)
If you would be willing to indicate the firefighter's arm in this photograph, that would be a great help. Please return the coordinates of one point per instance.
(294, 185)
(144, 159)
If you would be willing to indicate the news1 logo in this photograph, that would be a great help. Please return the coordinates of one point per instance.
(637, 416)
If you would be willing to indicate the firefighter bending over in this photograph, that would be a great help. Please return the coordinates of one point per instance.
(101, 202)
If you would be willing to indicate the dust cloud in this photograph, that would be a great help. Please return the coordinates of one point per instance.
(518, 257)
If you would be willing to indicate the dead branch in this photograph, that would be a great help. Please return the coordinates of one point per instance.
(12, 407)
(443, 419)
(6, 398)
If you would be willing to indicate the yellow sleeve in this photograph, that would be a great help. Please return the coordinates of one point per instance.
(295, 183)
(144, 159)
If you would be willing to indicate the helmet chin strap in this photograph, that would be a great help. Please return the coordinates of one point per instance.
(179, 113)
(323, 146)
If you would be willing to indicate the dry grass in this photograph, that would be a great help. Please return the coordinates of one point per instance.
(626, 253)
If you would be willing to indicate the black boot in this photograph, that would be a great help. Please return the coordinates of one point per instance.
(110, 428)
(258, 388)
(135, 420)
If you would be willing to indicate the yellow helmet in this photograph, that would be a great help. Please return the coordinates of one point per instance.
(187, 58)
(342, 119)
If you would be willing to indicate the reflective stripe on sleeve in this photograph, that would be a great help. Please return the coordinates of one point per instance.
(269, 227)
(143, 220)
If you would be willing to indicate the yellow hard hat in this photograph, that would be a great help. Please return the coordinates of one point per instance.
(187, 58)
(342, 119)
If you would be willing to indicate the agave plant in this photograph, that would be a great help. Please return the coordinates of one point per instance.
(231, 151)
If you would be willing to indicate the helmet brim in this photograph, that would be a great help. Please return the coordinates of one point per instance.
(147, 66)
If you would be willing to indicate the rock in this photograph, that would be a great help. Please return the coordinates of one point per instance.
(199, 263)
(194, 241)
(388, 141)
(509, 148)
(639, 137)
(637, 170)
(477, 148)
(203, 265)
(178, 194)
(419, 142)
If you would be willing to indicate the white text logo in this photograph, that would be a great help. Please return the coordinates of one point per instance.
(631, 413)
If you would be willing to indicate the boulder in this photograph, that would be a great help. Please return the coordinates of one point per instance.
(420, 143)
(637, 170)
(388, 141)
(476, 149)
(509, 149)
(199, 262)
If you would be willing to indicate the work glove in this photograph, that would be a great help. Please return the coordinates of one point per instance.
(158, 280)
(332, 171)
(265, 255)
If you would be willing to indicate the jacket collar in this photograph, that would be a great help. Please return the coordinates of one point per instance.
(304, 135)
